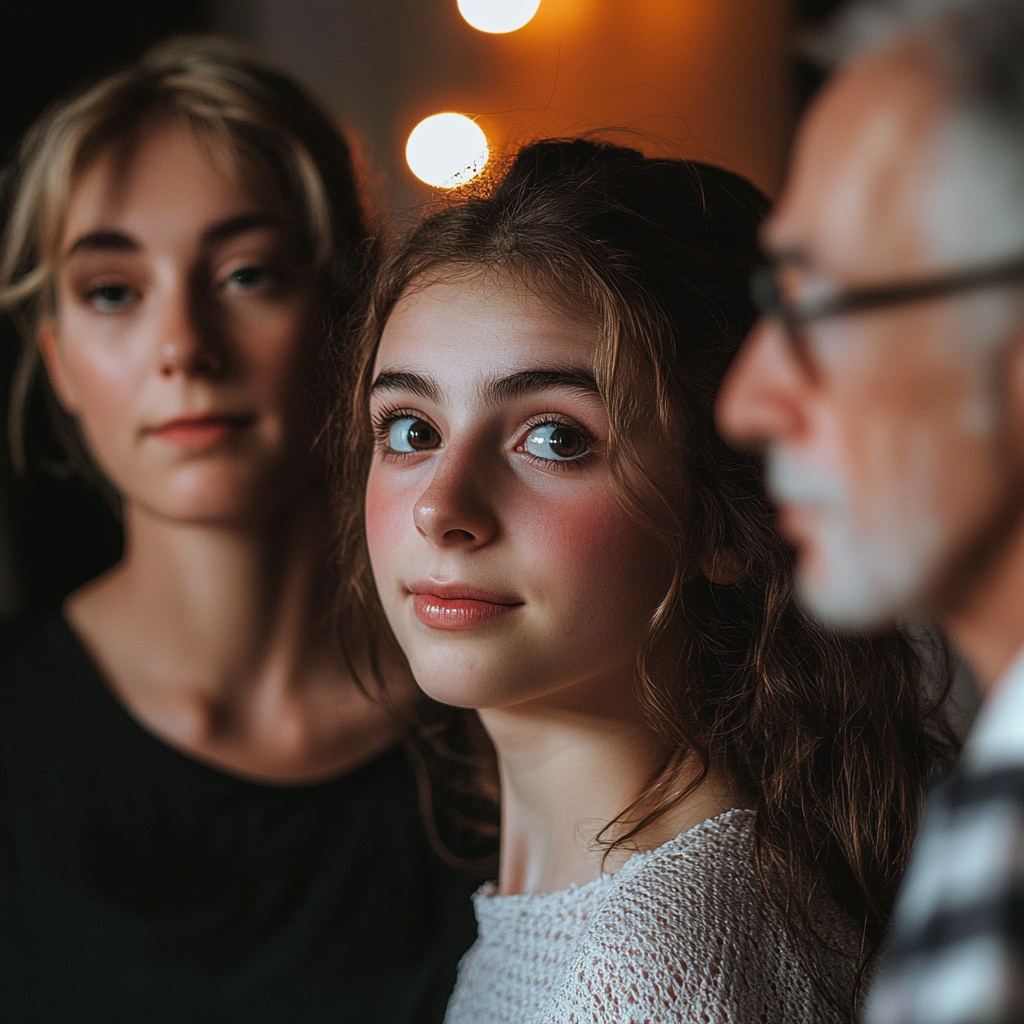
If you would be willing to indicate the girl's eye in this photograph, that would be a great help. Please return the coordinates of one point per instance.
(111, 298)
(411, 434)
(555, 442)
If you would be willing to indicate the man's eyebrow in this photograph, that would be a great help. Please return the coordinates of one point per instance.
(515, 385)
(103, 241)
(403, 380)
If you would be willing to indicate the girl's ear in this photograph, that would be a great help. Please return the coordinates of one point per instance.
(53, 360)
(725, 567)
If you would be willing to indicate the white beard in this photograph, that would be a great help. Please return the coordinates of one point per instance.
(865, 567)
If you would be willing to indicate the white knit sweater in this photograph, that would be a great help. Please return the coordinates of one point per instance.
(681, 933)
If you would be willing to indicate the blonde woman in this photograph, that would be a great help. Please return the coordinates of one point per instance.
(204, 818)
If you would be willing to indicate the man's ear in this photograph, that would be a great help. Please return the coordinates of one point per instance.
(53, 360)
(724, 568)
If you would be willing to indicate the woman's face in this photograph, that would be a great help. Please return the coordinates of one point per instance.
(183, 337)
(507, 568)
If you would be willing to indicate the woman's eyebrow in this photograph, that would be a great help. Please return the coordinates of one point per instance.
(239, 225)
(403, 380)
(109, 240)
(103, 241)
(515, 385)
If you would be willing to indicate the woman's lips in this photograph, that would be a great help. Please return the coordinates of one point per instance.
(197, 432)
(459, 607)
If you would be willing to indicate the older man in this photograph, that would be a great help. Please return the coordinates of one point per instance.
(885, 384)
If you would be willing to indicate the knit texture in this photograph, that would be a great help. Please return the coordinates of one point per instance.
(684, 932)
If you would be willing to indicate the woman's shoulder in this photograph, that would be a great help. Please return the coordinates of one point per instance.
(32, 653)
(687, 929)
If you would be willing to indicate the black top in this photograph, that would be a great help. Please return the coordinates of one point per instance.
(141, 885)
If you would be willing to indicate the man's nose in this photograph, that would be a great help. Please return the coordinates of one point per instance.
(760, 399)
(456, 509)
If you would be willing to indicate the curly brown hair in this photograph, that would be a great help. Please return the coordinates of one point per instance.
(833, 739)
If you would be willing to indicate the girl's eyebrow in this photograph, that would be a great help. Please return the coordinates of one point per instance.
(515, 385)
(499, 389)
(403, 380)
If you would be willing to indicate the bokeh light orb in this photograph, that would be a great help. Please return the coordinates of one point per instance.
(446, 150)
(498, 15)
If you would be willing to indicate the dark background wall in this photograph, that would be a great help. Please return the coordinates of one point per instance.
(711, 78)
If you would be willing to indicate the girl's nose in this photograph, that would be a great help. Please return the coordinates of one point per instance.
(457, 508)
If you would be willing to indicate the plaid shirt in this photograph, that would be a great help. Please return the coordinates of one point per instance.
(956, 951)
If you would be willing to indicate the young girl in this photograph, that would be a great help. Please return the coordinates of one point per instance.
(204, 817)
(706, 801)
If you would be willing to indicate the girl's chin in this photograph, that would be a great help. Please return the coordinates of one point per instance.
(476, 690)
(448, 692)
(460, 691)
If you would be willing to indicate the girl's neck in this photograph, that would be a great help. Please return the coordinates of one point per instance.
(565, 774)
(219, 640)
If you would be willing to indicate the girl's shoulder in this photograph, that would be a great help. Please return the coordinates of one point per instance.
(687, 932)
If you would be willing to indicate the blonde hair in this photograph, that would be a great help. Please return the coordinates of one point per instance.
(247, 113)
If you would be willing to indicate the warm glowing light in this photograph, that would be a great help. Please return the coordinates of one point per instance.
(446, 150)
(498, 15)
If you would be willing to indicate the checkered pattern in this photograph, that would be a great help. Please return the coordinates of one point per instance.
(956, 953)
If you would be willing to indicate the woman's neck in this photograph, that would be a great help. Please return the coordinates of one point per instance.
(219, 640)
(239, 602)
(565, 774)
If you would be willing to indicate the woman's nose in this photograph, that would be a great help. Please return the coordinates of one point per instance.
(457, 508)
(188, 343)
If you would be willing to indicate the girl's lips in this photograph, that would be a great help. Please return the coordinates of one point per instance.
(459, 609)
(197, 432)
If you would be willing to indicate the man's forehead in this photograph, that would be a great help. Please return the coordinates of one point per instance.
(858, 191)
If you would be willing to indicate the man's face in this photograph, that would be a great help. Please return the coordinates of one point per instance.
(894, 447)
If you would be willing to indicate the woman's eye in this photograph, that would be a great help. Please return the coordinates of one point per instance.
(248, 278)
(111, 298)
(411, 434)
(555, 442)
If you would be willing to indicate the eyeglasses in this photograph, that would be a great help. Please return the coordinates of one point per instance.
(794, 316)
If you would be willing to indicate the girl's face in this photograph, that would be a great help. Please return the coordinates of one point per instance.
(508, 569)
(182, 339)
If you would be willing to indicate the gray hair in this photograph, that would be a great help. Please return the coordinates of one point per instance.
(977, 48)
(978, 43)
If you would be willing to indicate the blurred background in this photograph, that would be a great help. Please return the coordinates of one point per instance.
(717, 80)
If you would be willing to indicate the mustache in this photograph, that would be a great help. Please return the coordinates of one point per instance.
(793, 482)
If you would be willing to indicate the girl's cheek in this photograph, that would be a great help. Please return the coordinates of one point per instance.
(587, 541)
(388, 515)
